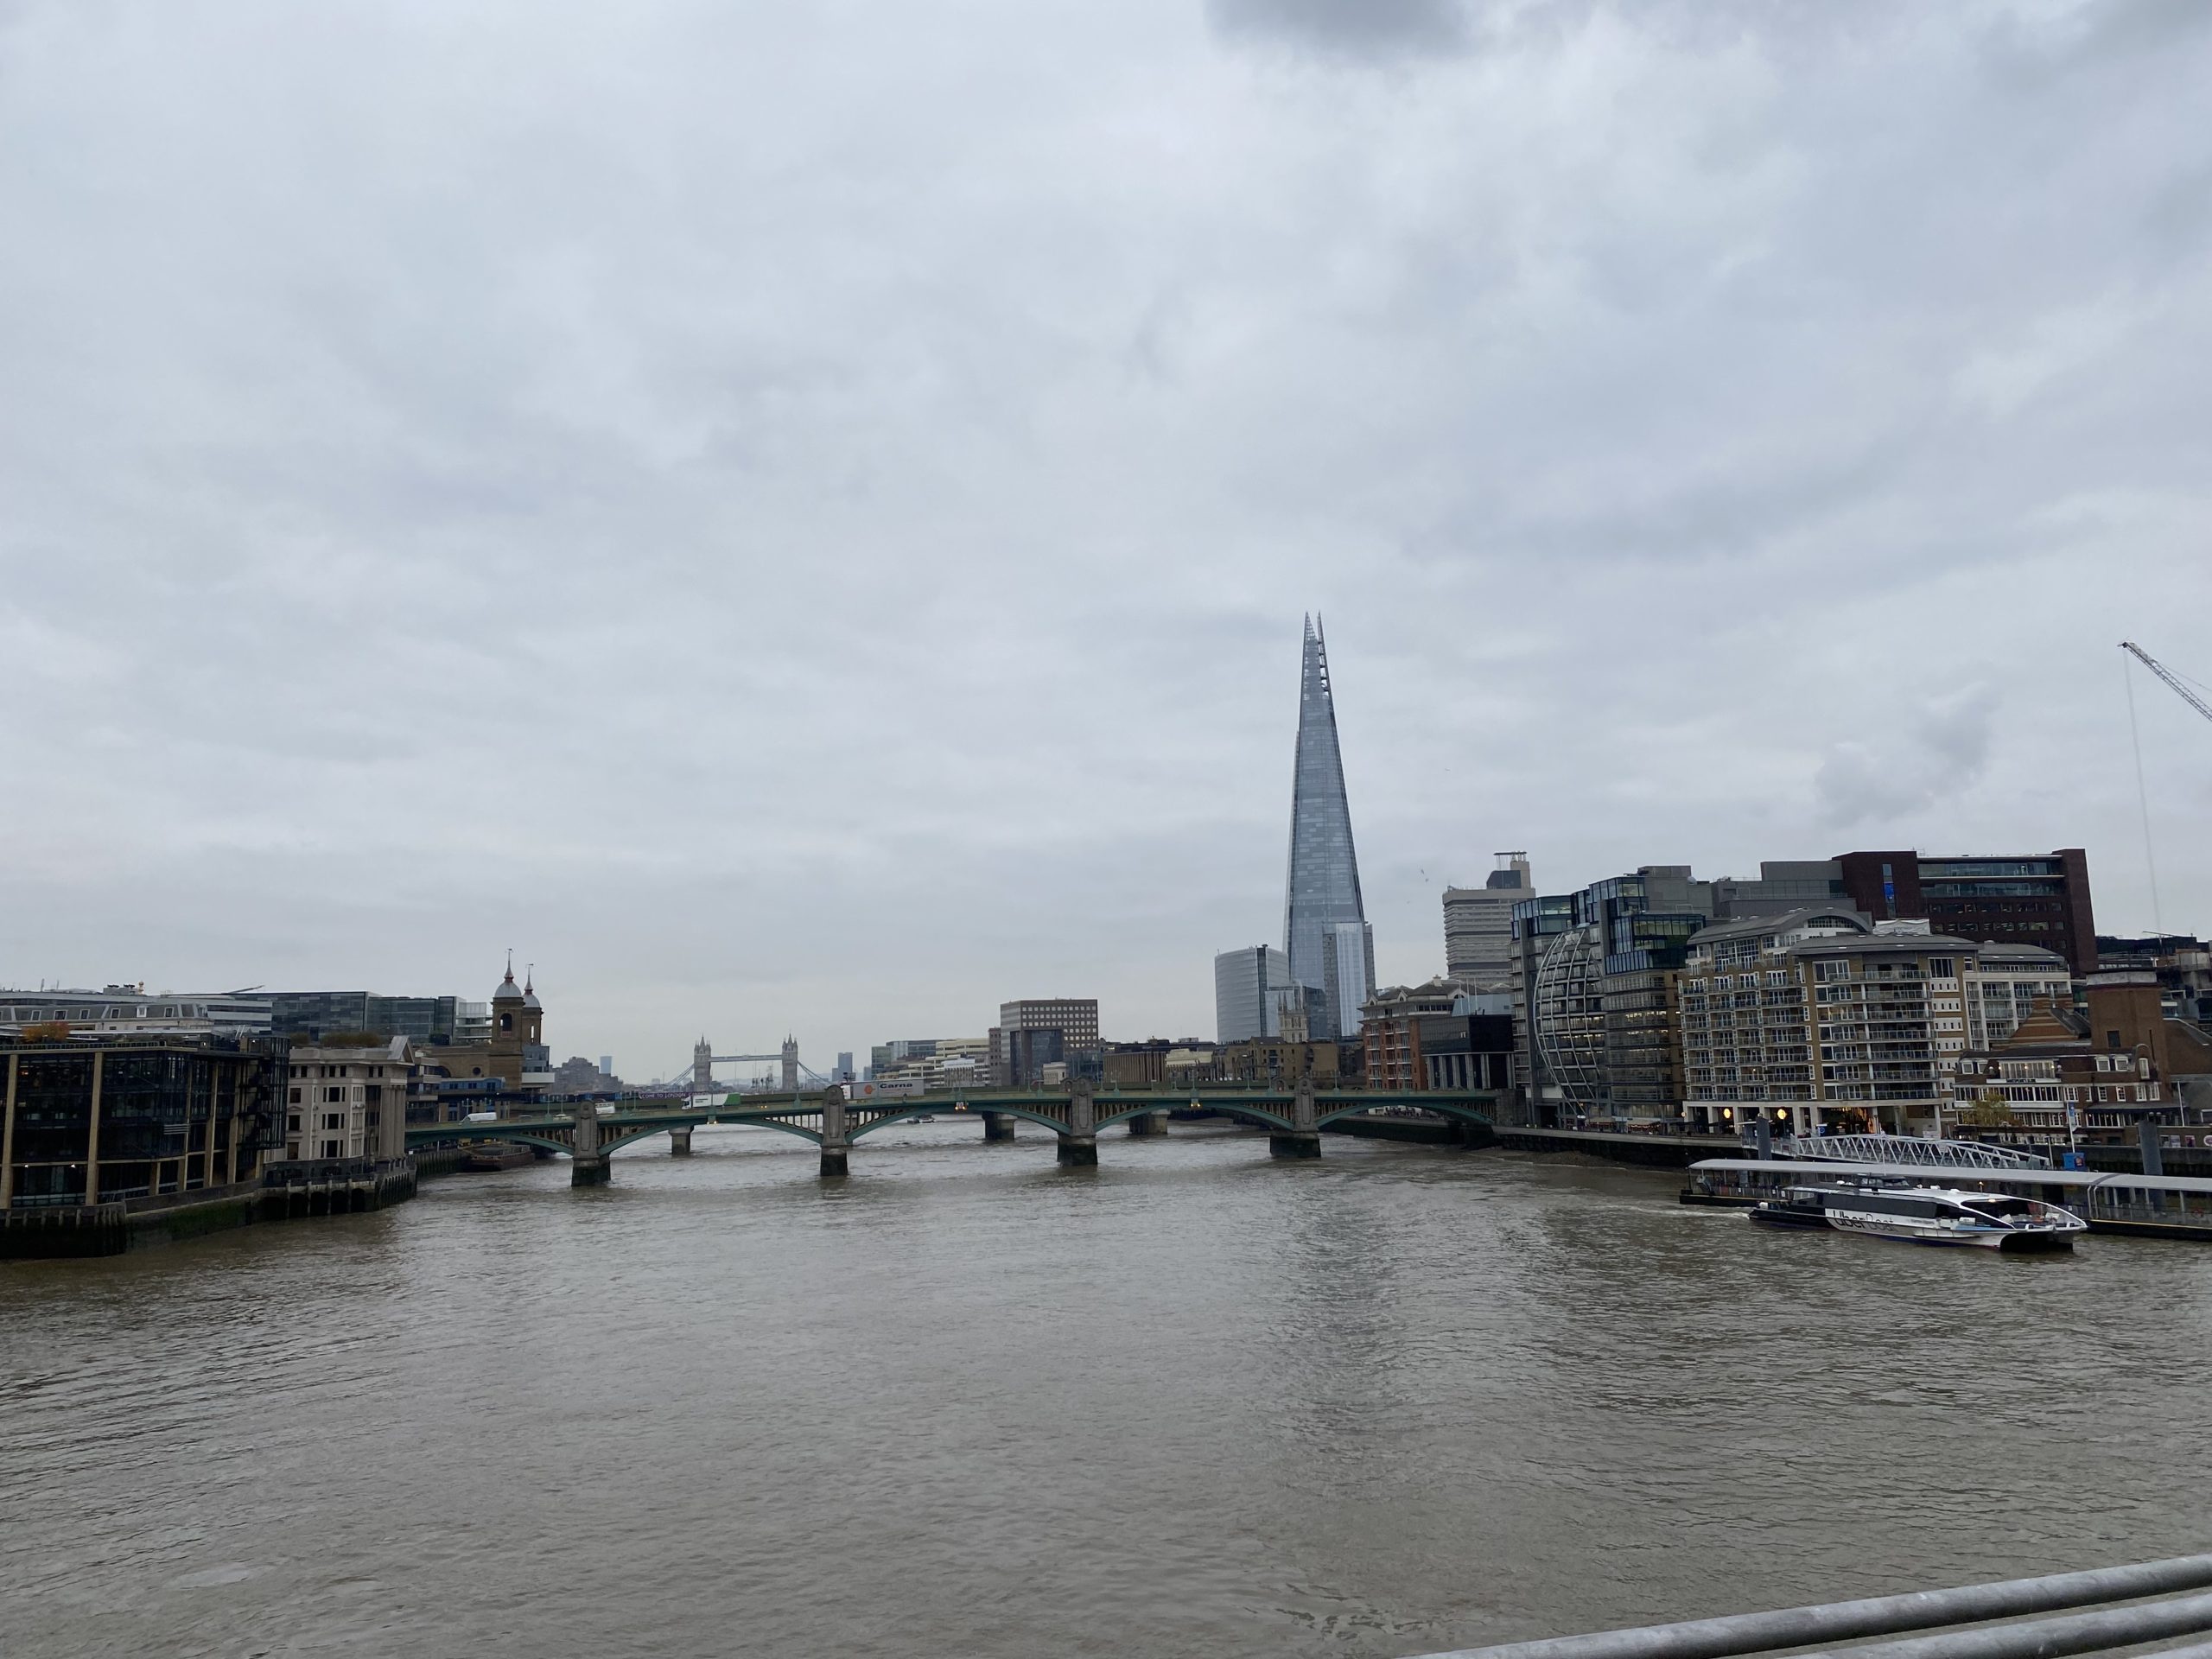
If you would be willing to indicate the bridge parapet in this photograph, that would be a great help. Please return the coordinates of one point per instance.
(1293, 1118)
(1974, 1606)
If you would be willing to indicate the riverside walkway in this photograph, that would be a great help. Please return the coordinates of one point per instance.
(1293, 1118)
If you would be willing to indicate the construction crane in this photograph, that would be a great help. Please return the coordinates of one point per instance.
(2142, 790)
(2168, 676)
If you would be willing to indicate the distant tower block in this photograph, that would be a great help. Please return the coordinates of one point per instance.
(702, 1067)
(791, 1063)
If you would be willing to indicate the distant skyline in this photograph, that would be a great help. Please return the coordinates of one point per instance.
(794, 526)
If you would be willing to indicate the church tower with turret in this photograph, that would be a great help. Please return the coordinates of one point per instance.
(514, 1021)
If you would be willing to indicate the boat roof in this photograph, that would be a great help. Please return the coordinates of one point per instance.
(1800, 1173)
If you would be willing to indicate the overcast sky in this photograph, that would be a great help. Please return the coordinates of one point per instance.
(797, 517)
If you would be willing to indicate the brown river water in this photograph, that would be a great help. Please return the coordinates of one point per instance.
(966, 1403)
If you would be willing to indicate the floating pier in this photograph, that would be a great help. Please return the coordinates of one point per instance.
(2147, 1206)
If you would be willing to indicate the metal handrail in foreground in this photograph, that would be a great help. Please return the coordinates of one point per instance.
(1922, 1609)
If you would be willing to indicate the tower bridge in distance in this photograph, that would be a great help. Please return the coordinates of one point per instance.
(1293, 1118)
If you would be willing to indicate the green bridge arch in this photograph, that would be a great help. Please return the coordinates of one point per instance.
(1275, 1115)
(909, 1114)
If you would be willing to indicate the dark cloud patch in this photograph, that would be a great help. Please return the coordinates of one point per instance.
(1352, 28)
(1937, 753)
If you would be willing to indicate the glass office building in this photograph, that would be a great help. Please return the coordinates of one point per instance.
(1247, 993)
(1322, 891)
(1595, 1004)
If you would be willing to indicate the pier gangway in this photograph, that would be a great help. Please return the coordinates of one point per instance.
(1906, 1149)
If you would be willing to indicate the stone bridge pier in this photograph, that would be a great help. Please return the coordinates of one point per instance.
(679, 1143)
(1303, 1139)
(1078, 1146)
(588, 1164)
(836, 1140)
(998, 1126)
(1148, 1123)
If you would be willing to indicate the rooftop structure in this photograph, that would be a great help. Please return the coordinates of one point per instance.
(315, 1015)
(2040, 899)
(1478, 925)
(132, 1011)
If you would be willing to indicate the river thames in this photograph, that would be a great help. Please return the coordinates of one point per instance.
(1194, 1402)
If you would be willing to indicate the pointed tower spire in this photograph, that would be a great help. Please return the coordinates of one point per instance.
(1326, 934)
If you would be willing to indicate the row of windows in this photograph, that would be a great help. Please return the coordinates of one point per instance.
(330, 1120)
(2077, 1093)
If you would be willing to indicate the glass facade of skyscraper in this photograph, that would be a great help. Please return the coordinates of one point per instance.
(1322, 891)
(1246, 987)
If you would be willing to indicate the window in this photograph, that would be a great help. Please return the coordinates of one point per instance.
(293, 1122)
(295, 1096)
(2104, 1062)
(330, 1148)
(1831, 970)
(2112, 1040)
(334, 1119)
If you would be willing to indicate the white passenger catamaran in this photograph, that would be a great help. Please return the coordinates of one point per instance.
(1926, 1214)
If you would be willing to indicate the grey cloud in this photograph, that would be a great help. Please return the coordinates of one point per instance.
(1936, 754)
(1358, 28)
(743, 512)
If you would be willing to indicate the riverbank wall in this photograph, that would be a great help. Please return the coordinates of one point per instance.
(439, 1160)
(1648, 1151)
(286, 1193)
(1424, 1131)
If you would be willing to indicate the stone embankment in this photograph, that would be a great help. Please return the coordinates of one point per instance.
(285, 1193)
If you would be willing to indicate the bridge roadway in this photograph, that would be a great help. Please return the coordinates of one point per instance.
(1292, 1117)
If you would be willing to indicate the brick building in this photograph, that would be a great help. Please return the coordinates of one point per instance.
(2099, 1072)
(2040, 899)
(1437, 1035)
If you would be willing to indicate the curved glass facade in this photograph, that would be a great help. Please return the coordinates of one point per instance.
(1567, 1020)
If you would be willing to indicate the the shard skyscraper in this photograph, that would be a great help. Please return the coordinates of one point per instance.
(1325, 935)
